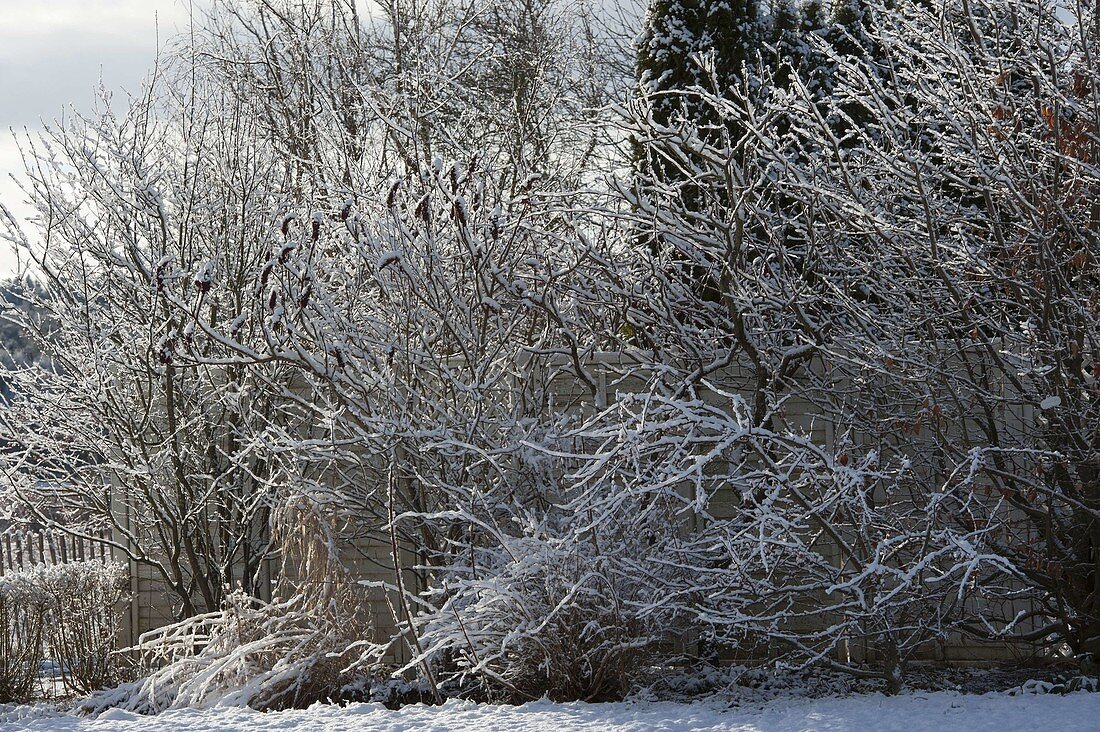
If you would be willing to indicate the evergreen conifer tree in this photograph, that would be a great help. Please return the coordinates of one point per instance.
(689, 45)
(679, 34)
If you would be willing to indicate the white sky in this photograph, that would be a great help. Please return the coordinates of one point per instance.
(53, 54)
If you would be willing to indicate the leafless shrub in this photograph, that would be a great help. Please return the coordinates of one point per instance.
(69, 612)
(22, 617)
(86, 602)
(546, 615)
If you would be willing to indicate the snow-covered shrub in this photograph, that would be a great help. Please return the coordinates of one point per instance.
(910, 259)
(86, 603)
(69, 612)
(428, 374)
(252, 653)
(770, 546)
(557, 572)
(547, 615)
(964, 212)
(266, 655)
(22, 617)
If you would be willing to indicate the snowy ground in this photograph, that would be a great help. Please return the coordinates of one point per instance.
(915, 712)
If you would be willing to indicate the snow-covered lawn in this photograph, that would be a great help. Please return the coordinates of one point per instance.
(915, 712)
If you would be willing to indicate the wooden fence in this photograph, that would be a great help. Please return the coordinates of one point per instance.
(23, 549)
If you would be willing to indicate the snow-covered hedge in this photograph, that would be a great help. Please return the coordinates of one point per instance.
(68, 612)
(22, 616)
(86, 602)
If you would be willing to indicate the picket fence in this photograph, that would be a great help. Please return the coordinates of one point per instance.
(23, 549)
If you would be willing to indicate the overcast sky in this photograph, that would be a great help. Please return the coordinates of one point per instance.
(52, 56)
